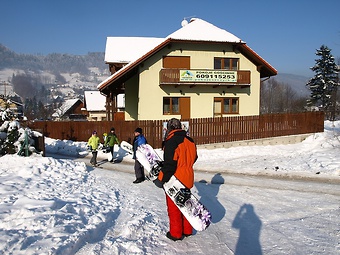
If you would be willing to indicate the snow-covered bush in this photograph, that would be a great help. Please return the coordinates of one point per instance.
(14, 138)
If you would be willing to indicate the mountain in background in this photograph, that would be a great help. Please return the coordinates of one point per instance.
(46, 78)
(54, 63)
(68, 76)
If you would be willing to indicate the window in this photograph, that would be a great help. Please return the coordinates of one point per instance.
(226, 63)
(171, 105)
(181, 62)
(225, 105)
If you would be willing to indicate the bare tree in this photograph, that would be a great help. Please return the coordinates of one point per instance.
(278, 97)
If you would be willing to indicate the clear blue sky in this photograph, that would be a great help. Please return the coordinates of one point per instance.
(286, 33)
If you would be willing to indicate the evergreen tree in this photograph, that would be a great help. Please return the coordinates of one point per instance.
(28, 111)
(324, 83)
(9, 132)
(42, 112)
(12, 136)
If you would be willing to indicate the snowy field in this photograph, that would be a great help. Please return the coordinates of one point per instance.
(60, 205)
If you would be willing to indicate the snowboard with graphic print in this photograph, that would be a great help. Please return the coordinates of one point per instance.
(150, 161)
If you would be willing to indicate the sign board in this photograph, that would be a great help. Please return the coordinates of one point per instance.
(208, 76)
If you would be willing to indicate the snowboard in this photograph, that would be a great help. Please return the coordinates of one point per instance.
(193, 210)
(127, 147)
(150, 160)
(106, 150)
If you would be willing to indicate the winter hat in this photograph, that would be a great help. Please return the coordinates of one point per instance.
(112, 129)
(174, 124)
(139, 130)
(94, 132)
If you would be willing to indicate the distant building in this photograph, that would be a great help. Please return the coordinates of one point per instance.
(94, 105)
(70, 110)
(13, 103)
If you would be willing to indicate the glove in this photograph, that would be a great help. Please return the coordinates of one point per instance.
(158, 183)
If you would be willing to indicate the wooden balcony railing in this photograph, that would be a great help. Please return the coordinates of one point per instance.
(170, 76)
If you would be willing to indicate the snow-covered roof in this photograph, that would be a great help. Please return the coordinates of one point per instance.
(94, 101)
(68, 104)
(195, 30)
(118, 49)
(201, 30)
(128, 49)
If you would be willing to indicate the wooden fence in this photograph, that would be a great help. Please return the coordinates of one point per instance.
(203, 130)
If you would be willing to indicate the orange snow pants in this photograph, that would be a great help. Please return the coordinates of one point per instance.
(179, 225)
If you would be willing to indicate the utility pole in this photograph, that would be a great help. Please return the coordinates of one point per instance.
(4, 84)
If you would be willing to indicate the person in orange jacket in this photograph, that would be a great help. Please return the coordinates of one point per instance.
(180, 154)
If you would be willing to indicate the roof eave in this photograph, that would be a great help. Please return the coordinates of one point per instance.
(266, 69)
(133, 65)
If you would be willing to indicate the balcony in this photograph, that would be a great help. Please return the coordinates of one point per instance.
(194, 77)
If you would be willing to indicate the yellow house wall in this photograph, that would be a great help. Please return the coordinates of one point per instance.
(132, 98)
(4, 104)
(96, 116)
(150, 94)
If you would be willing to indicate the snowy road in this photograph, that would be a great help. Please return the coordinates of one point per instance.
(278, 199)
(287, 182)
(251, 215)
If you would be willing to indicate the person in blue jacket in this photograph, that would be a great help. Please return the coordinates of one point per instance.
(138, 140)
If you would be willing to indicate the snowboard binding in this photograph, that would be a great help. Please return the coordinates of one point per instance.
(156, 169)
(154, 172)
(182, 196)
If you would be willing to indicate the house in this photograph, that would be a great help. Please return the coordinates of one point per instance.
(13, 103)
(70, 110)
(198, 71)
(10, 100)
(94, 105)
